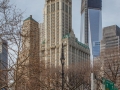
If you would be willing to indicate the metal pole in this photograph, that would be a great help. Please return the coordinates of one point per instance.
(92, 81)
(62, 63)
(62, 76)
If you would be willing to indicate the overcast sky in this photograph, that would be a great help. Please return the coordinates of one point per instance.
(110, 12)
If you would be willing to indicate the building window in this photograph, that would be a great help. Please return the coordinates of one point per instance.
(48, 8)
(63, 6)
(70, 10)
(52, 7)
(57, 5)
(66, 8)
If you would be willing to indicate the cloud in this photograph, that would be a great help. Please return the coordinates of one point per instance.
(110, 12)
(31, 7)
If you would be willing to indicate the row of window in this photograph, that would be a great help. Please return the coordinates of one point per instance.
(64, 7)
(75, 51)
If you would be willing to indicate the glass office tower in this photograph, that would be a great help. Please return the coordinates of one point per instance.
(91, 25)
(3, 63)
(3, 54)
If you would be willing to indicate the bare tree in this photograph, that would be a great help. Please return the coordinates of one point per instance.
(98, 72)
(10, 27)
(108, 65)
(25, 75)
(22, 75)
(79, 76)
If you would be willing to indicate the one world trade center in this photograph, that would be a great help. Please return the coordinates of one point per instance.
(91, 25)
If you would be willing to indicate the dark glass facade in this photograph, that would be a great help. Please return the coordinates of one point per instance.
(95, 4)
(4, 55)
(3, 62)
(91, 25)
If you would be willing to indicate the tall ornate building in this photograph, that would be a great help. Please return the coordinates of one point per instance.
(58, 30)
(42, 42)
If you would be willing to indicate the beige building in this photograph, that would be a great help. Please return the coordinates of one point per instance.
(42, 42)
(42, 33)
(28, 61)
(30, 39)
(110, 53)
(111, 37)
(58, 30)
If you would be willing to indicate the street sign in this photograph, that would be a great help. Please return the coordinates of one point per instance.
(109, 85)
(115, 88)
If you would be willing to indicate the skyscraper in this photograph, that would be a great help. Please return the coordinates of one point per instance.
(57, 24)
(91, 25)
(110, 52)
(58, 30)
(28, 61)
(111, 37)
(54, 31)
(3, 63)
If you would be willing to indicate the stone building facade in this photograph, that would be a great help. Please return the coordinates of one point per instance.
(111, 37)
(28, 60)
(58, 30)
(30, 38)
(42, 33)
(110, 52)
(43, 42)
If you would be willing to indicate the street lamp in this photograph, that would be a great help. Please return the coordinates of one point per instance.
(62, 63)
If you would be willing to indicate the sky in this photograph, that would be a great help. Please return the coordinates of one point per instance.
(110, 12)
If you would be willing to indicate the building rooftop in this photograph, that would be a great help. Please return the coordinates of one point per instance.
(95, 4)
(112, 26)
(30, 18)
(83, 45)
(113, 29)
(78, 42)
(66, 36)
